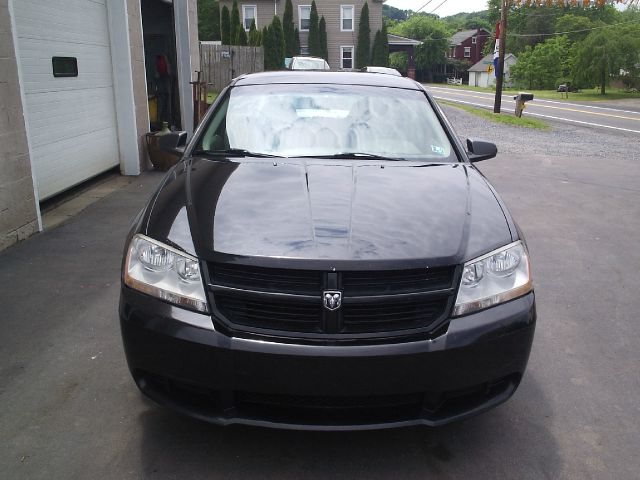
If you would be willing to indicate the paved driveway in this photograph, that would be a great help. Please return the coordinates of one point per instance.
(68, 408)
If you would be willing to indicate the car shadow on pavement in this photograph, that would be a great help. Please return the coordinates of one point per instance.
(512, 441)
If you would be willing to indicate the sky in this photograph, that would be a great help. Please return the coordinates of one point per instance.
(449, 7)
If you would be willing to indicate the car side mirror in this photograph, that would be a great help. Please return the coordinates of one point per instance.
(174, 142)
(478, 150)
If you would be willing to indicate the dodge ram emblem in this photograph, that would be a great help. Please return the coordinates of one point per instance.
(332, 299)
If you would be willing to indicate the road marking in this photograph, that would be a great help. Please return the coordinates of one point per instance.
(546, 116)
(622, 117)
(510, 97)
(584, 123)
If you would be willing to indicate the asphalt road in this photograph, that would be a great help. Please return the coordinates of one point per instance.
(69, 409)
(620, 118)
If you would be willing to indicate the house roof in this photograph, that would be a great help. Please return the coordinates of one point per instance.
(459, 37)
(402, 41)
(487, 60)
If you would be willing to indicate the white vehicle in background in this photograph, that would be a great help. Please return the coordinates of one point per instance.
(308, 63)
(385, 70)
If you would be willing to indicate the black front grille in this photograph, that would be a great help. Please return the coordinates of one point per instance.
(267, 279)
(390, 316)
(287, 316)
(326, 401)
(396, 281)
(287, 302)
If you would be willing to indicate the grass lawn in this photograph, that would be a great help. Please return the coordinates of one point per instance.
(499, 117)
(586, 94)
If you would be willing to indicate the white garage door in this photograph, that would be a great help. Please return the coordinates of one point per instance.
(71, 120)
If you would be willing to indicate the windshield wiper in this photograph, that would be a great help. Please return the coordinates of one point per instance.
(356, 156)
(233, 152)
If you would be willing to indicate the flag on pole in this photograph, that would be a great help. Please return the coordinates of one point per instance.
(496, 51)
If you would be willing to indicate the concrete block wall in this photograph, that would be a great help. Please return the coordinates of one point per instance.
(18, 214)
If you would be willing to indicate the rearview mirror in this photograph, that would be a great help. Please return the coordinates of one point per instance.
(174, 142)
(478, 150)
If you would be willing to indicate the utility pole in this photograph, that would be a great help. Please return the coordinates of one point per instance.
(503, 35)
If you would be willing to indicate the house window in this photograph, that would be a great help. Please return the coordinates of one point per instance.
(346, 57)
(346, 18)
(304, 13)
(467, 52)
(453, 52)
(249, 15)
(474, 40)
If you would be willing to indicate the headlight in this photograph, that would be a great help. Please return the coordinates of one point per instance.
(164, 272)
(494, 278)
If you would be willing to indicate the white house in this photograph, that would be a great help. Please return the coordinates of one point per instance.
(482, 75)
(75, 81)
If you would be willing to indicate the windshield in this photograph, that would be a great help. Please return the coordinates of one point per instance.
(306, 120)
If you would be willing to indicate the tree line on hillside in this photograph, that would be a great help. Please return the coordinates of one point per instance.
(585, 47)
(281, 38)
(600, 43)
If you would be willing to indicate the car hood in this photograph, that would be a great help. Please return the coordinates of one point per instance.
(330, 210)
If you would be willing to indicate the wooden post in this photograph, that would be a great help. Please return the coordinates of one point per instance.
(503, 35)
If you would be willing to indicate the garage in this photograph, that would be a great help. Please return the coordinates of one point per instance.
(66, 68)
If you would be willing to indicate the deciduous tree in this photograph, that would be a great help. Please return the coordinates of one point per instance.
(433, 32)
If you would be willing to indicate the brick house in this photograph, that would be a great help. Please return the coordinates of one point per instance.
(342, 18)
(468, 45)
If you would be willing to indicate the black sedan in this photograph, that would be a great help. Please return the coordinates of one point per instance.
(326, 256)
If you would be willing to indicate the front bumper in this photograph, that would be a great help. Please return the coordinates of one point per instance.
(475, 365)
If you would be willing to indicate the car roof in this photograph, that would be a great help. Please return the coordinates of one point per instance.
(327, 77)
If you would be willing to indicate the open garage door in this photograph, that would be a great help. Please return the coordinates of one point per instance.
(65, 62)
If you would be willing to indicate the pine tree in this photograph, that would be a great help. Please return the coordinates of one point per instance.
(314, 32)
(254, 34)
(363, 49)
(296, 39)
(235, 23)
(242, 37)
(324, 49)
(279, 45)
(380, 51)
(385, 46)
(267, 44)
(216, 20)
(225, 26)
(289, 31)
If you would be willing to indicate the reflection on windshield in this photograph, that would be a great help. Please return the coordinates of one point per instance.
(323, 120)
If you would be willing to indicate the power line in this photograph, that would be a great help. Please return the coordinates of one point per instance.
(570, 31)
(428, 2)
(443, 2)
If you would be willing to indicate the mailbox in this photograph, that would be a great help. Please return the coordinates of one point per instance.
(520, 99)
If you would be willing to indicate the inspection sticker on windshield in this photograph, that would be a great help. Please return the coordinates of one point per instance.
(437, 149)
